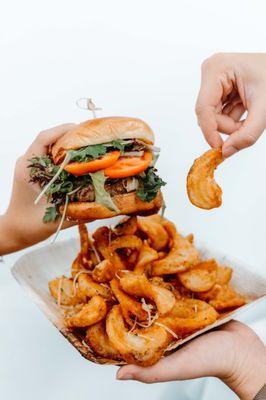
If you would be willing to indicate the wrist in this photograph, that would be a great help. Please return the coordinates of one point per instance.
(249, 378)
(10, 240)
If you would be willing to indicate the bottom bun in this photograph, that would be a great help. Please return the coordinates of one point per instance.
(128, 204)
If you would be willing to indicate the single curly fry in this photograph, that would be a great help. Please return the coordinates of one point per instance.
(128, 226)
(87, 252)
(129, 306)
(76, 266)
(169, 227)
(158, 281)
(142, 346)
(189, 315)
(153, 228)
(202, 189)
(62, 291)
(103, 272)
(88, 287)
(103, 237)
(97, 339)
(223, 297)
(90, 314)
(126, 241)
(84, 239)
(224, 275)
(200, 277)
(140, 286)
(182, 255)
(79, 264)
(146, 255)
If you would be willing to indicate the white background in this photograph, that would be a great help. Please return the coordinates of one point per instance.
(135, 58)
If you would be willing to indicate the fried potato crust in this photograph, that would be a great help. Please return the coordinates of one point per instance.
(153, 228)
(223, 297)
(189, 315)
(200, 277)
(202, 189)
(182, 255)
(90, 314)
(141, 346)
(224, 275)
(98, 340)
(66, 297)
(89, 288)
(146, 256)
(140, 286)
(103, 272)
(129, 305)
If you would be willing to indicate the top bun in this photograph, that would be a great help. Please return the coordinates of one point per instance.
(101, 130)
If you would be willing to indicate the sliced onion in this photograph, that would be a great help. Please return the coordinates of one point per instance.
(133, 153)
(131, 184)
(155, 149)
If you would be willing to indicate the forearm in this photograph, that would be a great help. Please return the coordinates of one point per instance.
(10, 241)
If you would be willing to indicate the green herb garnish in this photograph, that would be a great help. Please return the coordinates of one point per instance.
(150, 184)
(51, 214)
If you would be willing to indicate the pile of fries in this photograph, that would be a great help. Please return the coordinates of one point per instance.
(137, 289)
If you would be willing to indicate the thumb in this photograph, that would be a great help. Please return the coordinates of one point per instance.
(251, 129)
(47, 137)
(194, 360)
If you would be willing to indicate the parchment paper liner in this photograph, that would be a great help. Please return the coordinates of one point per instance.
(34, 270)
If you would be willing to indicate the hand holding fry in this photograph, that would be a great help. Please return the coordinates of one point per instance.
(231, 84)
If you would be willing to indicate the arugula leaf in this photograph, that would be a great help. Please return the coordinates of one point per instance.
(88, 153)
(51, 214)
(97, 150)
(150, 184)
(101, 195)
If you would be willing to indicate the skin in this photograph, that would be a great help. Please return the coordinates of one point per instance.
(232, 84)
(21, 225)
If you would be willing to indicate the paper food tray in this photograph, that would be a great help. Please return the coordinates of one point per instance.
(34, 270)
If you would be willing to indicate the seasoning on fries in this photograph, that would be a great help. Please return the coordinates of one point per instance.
(202, 189)
(138, 288)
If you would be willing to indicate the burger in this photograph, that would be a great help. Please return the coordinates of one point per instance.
(102, 168)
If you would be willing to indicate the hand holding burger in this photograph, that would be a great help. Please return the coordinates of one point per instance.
(22, 225)
(99, 169)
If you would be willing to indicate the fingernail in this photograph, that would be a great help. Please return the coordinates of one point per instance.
(229, 151)
(124, 377)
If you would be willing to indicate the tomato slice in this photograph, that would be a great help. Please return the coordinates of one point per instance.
(81, 168)
(129, 166)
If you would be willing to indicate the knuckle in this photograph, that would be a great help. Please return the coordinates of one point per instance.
(248, 140)
(149, 379)
(41, 136)
(214, 59)
(198, 109)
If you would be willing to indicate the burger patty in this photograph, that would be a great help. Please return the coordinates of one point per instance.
(121, 186)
